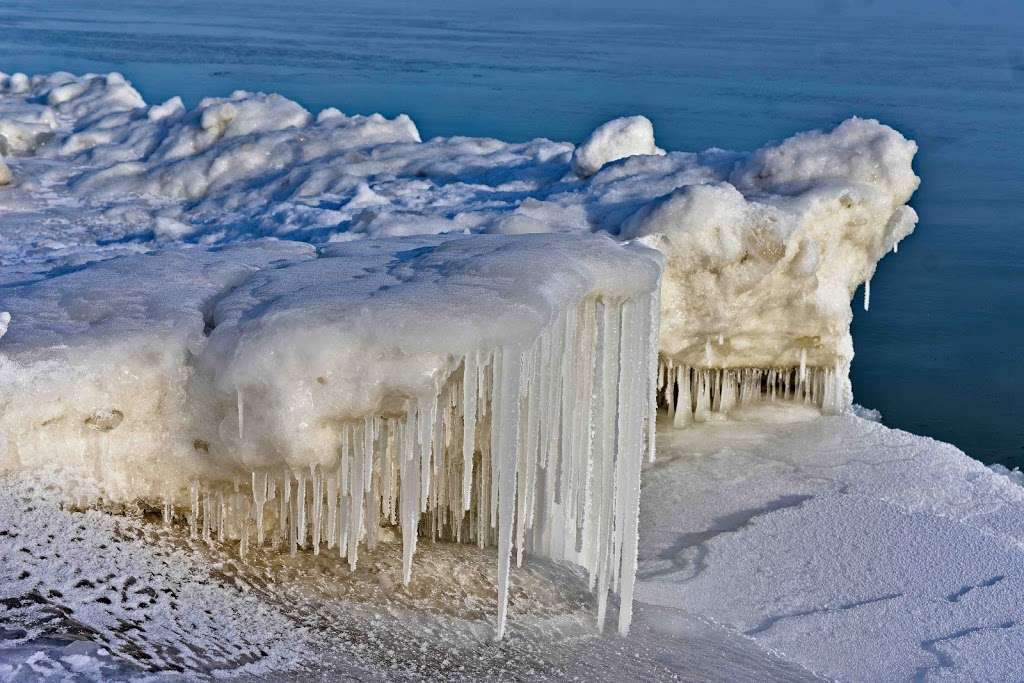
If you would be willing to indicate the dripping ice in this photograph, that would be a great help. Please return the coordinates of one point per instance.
(500, 455)
(304, 419)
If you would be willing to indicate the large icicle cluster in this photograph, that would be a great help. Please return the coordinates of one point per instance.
(700, 394)
(491, 389)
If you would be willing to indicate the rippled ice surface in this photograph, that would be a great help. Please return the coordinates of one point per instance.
(939, 354)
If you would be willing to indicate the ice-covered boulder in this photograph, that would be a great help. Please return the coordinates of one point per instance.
(761, 267)
(616, 139)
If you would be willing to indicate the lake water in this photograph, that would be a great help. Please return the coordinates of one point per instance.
(940, 352)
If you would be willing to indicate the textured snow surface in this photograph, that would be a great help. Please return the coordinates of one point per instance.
(860, 552)
(764, 249)
(789, 547)
(102, 597)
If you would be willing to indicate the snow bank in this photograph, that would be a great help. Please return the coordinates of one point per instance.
(381, 381)
(764, 250)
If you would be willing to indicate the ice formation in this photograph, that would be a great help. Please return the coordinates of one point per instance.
(258, 375)
(492, 389)
(764, 250)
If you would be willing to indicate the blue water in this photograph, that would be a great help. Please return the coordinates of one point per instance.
(940, 353)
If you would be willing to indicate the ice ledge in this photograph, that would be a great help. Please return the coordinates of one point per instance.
(488, 388)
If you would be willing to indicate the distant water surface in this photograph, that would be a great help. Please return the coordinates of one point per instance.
(940, 352)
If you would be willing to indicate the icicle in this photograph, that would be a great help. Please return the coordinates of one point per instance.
(469, 391)
(241, 413)
(867, 294)
(409, 497)
(684, 404)
(207, 501)
(168, 506)
(803, 364)
(318, 499)
(896, 247)
(505, 448)
(193, 520)
(332, 510)
(259, 499)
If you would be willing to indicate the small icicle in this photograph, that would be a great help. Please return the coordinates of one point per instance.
(803, 364)
(193, 520)
(241, 413)
(300, 515)
(707, 352)
(259, 499)
(867, 294)
(721, 339)
(243, 541)
(168, 506)
(332, 510)
(896, 247)
(318, 499)
(469, 388)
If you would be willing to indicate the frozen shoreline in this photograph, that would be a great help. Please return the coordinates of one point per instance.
(405, 310)
(770, 549)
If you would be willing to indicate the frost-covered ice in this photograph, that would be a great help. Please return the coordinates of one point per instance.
(862, 553)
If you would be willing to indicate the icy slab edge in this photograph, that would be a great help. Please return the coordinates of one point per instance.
(534, 445)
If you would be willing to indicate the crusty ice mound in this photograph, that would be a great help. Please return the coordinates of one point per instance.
(256, 381)
(764, 250)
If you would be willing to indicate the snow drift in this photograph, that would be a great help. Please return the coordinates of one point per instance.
(764, 250)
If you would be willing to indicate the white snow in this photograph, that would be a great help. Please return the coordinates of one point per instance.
(860, 552)
(764, 250)
(617, 139)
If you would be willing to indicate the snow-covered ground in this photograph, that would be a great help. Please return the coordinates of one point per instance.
(241, 342)
(787, 547)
